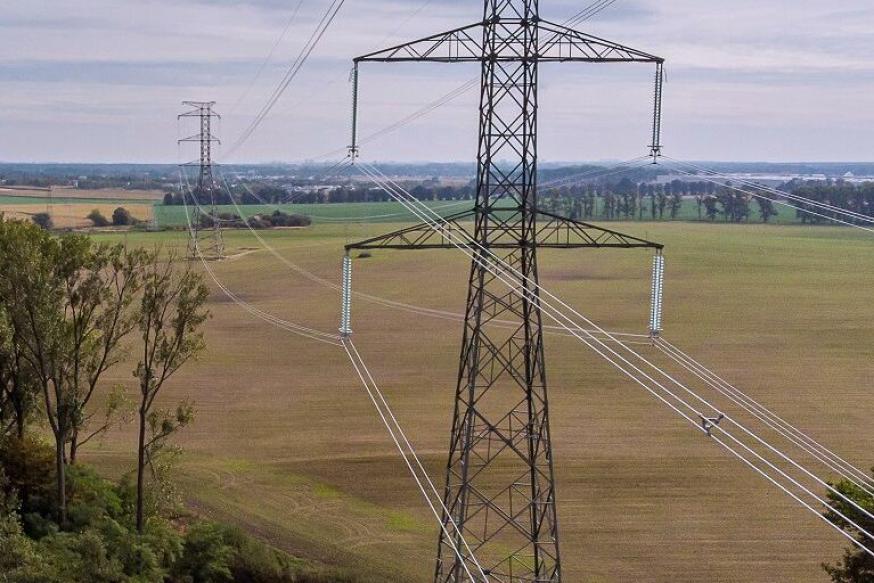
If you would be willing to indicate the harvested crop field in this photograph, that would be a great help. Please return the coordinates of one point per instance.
(90, 194)
(287, 444)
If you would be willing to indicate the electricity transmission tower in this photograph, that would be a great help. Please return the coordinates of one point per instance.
(206, 231)
(500, 487)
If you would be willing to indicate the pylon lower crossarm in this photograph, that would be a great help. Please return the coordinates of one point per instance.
(463, 44)
(421, 236)
(561, 232)
(554, 232)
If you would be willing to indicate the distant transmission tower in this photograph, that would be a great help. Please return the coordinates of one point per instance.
(500, 487)
(206, 231)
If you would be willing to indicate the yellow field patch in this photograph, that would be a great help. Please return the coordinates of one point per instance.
(74, 216)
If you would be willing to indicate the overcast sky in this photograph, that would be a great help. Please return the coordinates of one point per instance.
(102, 80)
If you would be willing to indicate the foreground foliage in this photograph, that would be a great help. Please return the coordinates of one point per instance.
(67, 304)
(100, 543)
(856, 566)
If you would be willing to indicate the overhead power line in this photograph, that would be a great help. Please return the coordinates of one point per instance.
(849, 222)
(728, 181)
(268, 58)
(698, 418)
(291, 73)
(397, 434)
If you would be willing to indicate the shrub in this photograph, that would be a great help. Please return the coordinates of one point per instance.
(281, 219)
(97, 219)
(43, 220)
(168, 199)
(91, 498)
(20, 561)
(29, 468)
(121, 217)
(206, 557)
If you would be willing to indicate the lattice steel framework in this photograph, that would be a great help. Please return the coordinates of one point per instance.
(500, 486)
(206, 233)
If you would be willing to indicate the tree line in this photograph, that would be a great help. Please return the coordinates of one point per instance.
(858, 198)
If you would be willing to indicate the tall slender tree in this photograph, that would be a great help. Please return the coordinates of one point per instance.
(172, 311)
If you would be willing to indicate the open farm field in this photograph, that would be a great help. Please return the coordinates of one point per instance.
(108, 194)
(387, 212)
(371, 212)
(287, 443)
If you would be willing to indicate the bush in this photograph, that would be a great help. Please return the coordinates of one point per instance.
(20, 561)
(101, 545)
(97, 219)
(281, 219)
(29, 474)
(43, 220)
(168, 199)
(206, 557)
(216, 553)
(91, 498)
(121, 217)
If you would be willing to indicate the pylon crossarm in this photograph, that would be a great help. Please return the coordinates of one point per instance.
(561, 232)
(560, 43)
(421, 236)
(199, 138)
(463, 44)
(507, 230)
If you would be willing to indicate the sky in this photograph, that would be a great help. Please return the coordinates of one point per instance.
(748, 80)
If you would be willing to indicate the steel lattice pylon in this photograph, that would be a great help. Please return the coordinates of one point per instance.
(500, 487)
(206, 233)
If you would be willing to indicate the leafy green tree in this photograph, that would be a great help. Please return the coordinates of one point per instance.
(171, 313)
(856, 566)
(97, 218)
(710, 207)
(18, 391)
(675, 204)
(766, 209)
(112, 282)
(121, 217)
(67, 301)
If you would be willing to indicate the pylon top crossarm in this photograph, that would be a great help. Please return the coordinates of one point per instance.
(200, 109)
(559, 43)
(457, 45)
(556, 43)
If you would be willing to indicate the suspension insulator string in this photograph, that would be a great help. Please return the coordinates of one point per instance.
(655, 149)
(657, 294)
(353, 146)
(346, 307)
